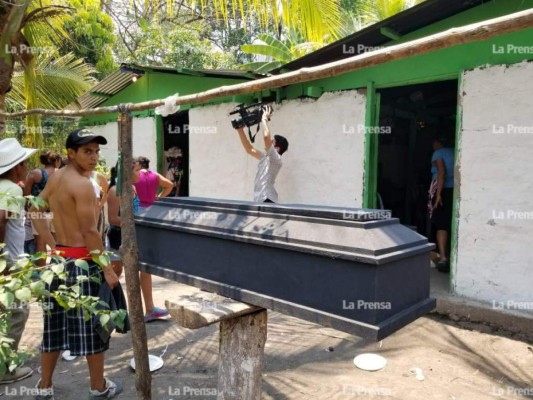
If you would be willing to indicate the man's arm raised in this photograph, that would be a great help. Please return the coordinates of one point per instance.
(266, 131)
(247, 145)
(85, 203)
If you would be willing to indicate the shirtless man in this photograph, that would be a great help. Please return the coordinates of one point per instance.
(70, 196)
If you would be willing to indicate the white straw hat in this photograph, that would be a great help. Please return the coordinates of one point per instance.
(12, 153)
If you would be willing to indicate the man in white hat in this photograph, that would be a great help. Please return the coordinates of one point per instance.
(13, 169)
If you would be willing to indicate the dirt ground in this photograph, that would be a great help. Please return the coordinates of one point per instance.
(307, 361)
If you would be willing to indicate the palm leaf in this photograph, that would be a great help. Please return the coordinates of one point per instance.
(267, 51)
(57, 82)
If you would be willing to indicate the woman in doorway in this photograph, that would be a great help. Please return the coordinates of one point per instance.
(441, 198)
(149, 182)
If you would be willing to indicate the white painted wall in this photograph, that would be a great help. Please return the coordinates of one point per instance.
(143, 141)
(495, 246)
(324, 164)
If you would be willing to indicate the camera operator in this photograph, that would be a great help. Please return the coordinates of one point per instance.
(269, 161)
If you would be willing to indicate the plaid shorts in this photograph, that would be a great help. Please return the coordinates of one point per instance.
(68, 330)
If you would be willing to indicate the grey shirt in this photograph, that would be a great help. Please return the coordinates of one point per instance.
(267, 171)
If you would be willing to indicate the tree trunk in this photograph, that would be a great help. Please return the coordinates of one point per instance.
(10, 20)
(129, 251)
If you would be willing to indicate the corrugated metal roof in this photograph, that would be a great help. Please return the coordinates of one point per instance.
(414, 18)
(106, 88)
(122, 78)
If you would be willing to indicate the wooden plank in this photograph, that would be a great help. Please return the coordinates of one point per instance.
(242, 344)
(195, 311)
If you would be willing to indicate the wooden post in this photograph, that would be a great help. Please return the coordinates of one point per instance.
(243, 332)
(128, 251)
(240, 363)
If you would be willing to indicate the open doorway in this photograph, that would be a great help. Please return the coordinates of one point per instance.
(176, 152)
(413, 116)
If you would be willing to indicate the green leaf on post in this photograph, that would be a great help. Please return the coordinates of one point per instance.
(58, 268)
(7, 299)
(47, 276)
(82, 264)
(23, 294)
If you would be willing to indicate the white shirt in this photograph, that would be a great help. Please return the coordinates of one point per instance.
(267, 171)
(15, 234)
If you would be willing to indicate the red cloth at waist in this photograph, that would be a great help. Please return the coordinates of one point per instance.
(74, 252)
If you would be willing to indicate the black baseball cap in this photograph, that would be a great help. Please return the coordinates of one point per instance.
(83, 136)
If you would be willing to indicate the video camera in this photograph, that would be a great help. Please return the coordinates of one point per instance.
(249, 116)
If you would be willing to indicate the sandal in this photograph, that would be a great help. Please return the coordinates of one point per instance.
(156, 314)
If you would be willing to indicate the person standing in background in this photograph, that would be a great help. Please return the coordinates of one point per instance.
(147, 184)
(441, 198)
(35, 183)
(13, 169)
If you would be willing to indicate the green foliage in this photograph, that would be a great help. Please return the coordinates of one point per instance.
(276, 52)
(25, 284)
(92, 36)
(173, 45)
(58, 82)
(372, 11)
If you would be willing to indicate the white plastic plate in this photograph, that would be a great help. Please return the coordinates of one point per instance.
(154, 361)
(67, 357)
(370, 362)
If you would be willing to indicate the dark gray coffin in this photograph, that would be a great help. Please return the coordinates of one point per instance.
(355, 270)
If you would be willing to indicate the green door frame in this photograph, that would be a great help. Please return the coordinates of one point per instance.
(373, 100)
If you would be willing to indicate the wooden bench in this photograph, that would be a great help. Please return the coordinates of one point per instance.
(243, 332)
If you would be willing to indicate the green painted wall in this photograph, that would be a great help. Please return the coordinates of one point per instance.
(157, 85)
(439, 65)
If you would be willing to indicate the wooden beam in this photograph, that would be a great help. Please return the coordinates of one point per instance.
(240, 362)
(466, 34)
(203, 309)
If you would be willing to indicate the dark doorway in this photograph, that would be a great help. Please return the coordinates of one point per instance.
(176, 152)
(410, 118)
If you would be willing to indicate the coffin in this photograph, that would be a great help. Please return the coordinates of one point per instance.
(355, 270)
